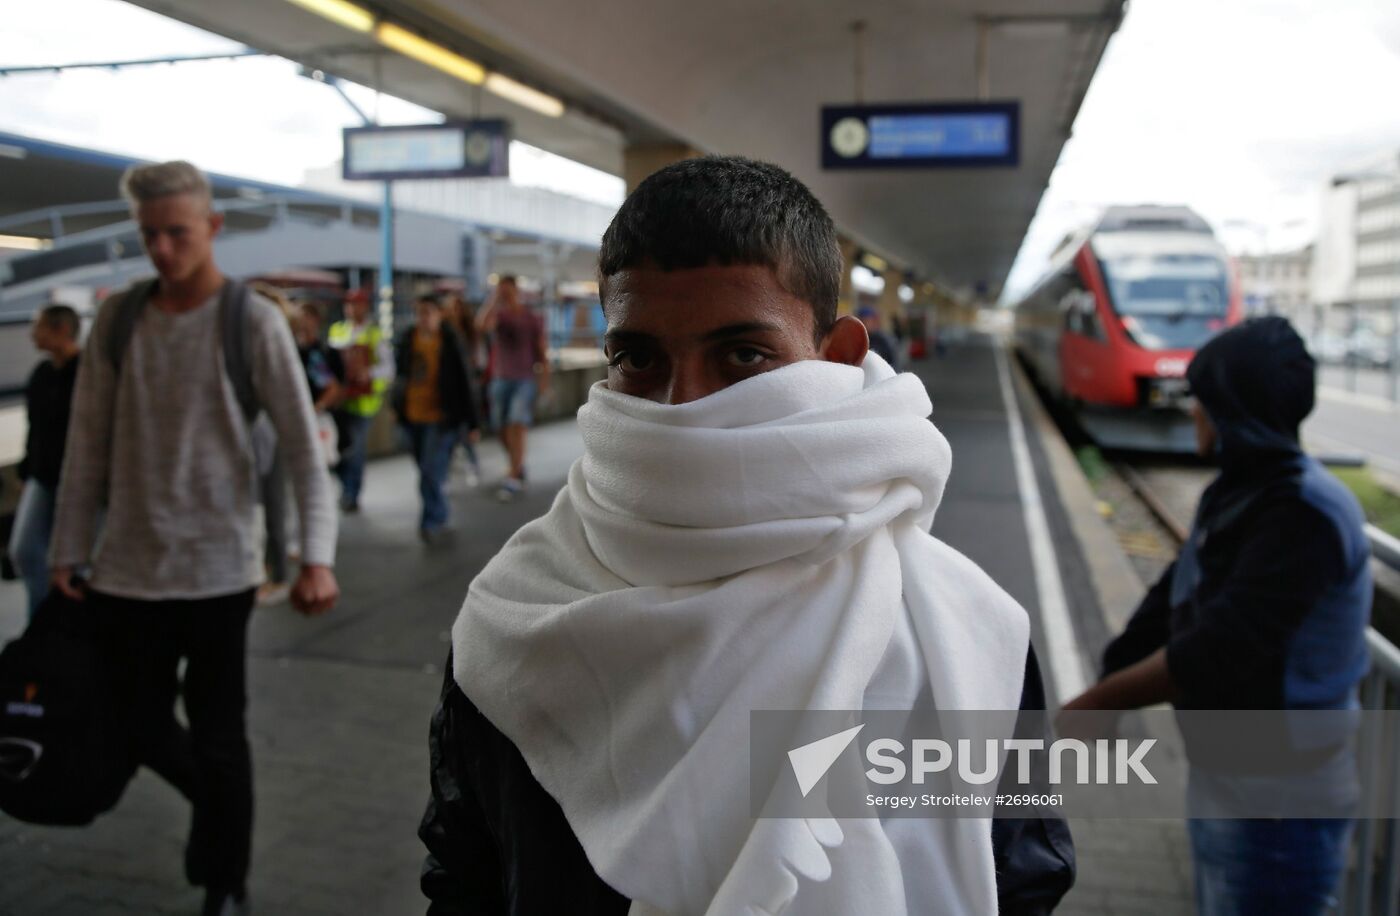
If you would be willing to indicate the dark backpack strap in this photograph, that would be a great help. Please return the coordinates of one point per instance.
(128, 308)
(234, 305)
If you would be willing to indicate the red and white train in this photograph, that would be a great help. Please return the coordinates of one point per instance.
(1113, 324)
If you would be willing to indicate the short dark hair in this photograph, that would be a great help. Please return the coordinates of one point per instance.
(728, 210)
(434, 301)
(63, 318)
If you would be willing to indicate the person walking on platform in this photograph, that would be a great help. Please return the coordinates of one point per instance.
(434, 400)
(881, 344)
(369, 367)
(458, 312)
(323, 370)
(1265, 608)
(519, 354)
(747, 529)
(48, 397)
(173, 372)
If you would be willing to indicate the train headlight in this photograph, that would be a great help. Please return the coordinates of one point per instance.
(1167, 392)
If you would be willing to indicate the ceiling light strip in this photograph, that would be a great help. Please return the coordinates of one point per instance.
(409, 44)
(426, 52)
(355, 18)
(524, 96)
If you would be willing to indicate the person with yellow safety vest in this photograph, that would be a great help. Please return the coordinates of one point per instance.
(369, 368)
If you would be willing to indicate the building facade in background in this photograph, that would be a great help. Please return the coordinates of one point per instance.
(1357, 255)
(1355, 278)
(1277, 283)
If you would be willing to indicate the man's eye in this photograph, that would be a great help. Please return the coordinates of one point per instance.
(631, 361)
(746, 357)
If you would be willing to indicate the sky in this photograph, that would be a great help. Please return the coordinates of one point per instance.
(127, 111)
(1241, 109)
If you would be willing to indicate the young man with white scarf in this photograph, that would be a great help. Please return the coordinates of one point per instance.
(747, 529)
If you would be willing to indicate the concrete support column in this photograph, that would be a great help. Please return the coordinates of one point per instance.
(845, 300)
(641, 159)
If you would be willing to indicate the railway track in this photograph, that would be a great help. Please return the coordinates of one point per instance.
(1155, 504)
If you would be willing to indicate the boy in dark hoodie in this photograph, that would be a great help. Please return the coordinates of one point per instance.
(1265, 608)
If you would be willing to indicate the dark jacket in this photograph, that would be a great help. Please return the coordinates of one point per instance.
(48, 401)
(499, 845)
(454, 380)
(1267, 604)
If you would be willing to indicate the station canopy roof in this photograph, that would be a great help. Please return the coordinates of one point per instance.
(737, 77)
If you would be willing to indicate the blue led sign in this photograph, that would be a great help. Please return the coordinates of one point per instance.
(945, 135)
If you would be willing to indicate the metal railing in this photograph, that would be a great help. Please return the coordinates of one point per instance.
(1384, 547)
(1374, 883)
(52, 218)
(119, 239)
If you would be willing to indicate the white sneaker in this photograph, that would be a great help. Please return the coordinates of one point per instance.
(510, 490)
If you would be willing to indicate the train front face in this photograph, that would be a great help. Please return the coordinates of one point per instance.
(1160, 296)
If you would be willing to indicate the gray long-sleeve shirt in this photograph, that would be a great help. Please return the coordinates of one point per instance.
(166, 449)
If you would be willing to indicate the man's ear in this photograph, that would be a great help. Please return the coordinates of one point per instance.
(216, 222)
(846, 342)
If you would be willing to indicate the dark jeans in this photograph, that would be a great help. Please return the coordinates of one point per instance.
(29, 539)
(1286, 867)
(351, 468)
(432, 450)
(210, 763)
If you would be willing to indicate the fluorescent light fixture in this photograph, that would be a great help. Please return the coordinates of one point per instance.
(426, 52)
(24, 242)
(353, 17)
(524, 96)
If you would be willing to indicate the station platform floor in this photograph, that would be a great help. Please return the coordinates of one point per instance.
(339, 705)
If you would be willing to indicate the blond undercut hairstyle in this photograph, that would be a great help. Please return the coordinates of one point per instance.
(142, 183)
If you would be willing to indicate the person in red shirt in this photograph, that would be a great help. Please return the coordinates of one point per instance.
(519, 355)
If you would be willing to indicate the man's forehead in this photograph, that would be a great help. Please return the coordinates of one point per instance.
(700, 299)
(649, 279)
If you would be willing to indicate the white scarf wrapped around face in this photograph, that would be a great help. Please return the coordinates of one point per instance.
(754, 549)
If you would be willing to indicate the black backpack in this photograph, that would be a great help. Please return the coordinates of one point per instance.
(66, 748)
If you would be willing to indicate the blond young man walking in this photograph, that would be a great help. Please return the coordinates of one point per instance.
(160, 438)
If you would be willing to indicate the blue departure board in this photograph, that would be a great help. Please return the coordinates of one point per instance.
(942, 135)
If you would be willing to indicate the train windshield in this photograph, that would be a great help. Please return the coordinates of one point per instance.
(1169, 301)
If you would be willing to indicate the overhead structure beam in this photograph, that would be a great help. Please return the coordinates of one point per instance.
(139, 62)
